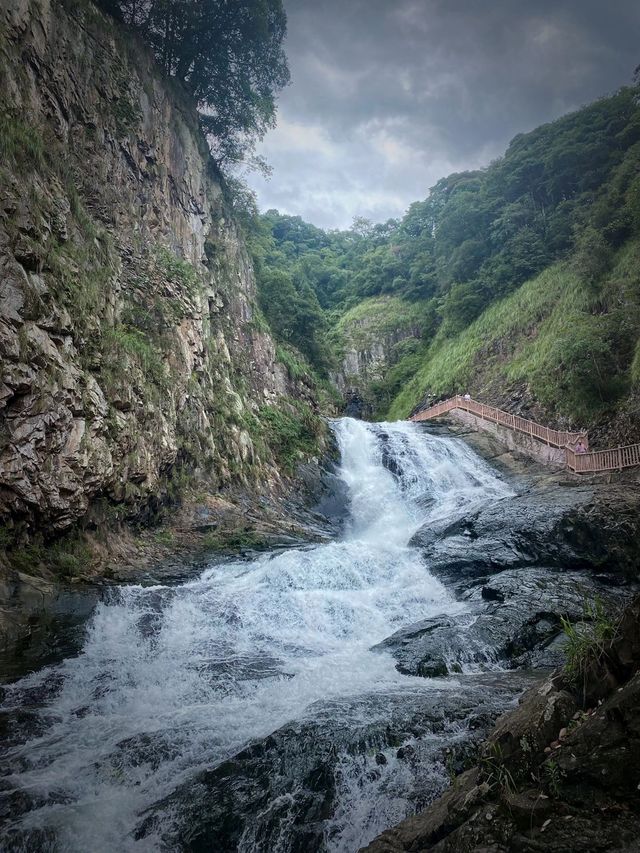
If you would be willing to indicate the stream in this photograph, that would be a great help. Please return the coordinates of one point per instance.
(246, 709)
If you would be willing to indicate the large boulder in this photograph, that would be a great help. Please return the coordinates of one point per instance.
(568, 527)
(515, 619)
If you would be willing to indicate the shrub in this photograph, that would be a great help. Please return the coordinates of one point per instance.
(586, 642)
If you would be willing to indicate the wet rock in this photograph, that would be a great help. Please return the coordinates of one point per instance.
(556, 526)
(528, 808)
(553, 778)
(324, 493)
(491, 594)
(280, 792)
(519, 626)
(40, 621)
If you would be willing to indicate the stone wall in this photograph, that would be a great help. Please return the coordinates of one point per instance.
(516, 441)
(130, 349)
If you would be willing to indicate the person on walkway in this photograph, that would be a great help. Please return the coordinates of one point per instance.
(467, 397)
(580, 446)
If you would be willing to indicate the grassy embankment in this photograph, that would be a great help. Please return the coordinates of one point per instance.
(576, 349)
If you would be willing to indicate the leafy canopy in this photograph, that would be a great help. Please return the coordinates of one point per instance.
(228, 56)
(567, 192)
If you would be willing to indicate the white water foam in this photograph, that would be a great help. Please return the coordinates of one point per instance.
(184, 677)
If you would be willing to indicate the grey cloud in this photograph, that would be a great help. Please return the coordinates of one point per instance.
(387, 97)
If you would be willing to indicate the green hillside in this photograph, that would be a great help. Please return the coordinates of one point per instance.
(521, 278)
(576, 351)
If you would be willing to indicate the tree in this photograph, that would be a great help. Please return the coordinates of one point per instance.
(228, 56)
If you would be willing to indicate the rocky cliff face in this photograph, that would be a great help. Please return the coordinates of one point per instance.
(371, 338)
(131, 351)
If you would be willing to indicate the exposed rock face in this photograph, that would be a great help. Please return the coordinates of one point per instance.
(568, 527)
(360, 366)
(126, 329)
(372, 341)
(559, 773)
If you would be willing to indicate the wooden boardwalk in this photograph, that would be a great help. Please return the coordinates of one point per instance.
(589, 461)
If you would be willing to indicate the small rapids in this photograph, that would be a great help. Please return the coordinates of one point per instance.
(173, 681)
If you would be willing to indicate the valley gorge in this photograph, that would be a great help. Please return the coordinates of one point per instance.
(245, 604)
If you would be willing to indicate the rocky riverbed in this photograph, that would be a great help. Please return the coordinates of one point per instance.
(308, 698)
(561, 772)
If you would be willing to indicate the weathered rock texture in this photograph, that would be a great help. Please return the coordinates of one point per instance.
(128, 340)
(560, 773)
(371, 339)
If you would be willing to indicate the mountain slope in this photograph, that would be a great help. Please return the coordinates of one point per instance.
(522, 279)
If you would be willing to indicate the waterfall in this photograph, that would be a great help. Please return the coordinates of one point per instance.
(175, 679)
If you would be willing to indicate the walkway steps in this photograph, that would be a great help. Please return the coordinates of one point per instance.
(588, 462)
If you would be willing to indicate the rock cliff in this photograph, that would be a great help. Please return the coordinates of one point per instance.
(132, 354)
(370, 339)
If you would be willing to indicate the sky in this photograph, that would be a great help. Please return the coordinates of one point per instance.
(387, 97)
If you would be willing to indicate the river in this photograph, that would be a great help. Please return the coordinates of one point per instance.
(245, 709)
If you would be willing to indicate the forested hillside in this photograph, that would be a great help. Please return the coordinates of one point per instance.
(518, 280)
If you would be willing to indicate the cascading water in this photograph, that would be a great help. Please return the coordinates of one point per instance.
(173, 680)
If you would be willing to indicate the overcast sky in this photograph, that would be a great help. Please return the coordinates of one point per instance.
(388, 96)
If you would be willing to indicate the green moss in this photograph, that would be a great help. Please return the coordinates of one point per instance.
(233, 540)
(7, 536)
(70, 556)
(25, 558)
(123, 339)
(178, 271)
(80, 279)
(85, 222)
(294, 362)
(164, 537)
(126, 115)
(372, 320)
(67, 557)
(259, 321)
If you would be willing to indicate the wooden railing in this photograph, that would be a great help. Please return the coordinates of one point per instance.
(604, 460)
(554, 437)
(589, 461)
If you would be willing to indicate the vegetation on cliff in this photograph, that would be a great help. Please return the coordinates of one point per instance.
(135, 359)
(227, 57)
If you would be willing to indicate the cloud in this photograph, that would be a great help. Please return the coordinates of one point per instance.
(387, 97)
